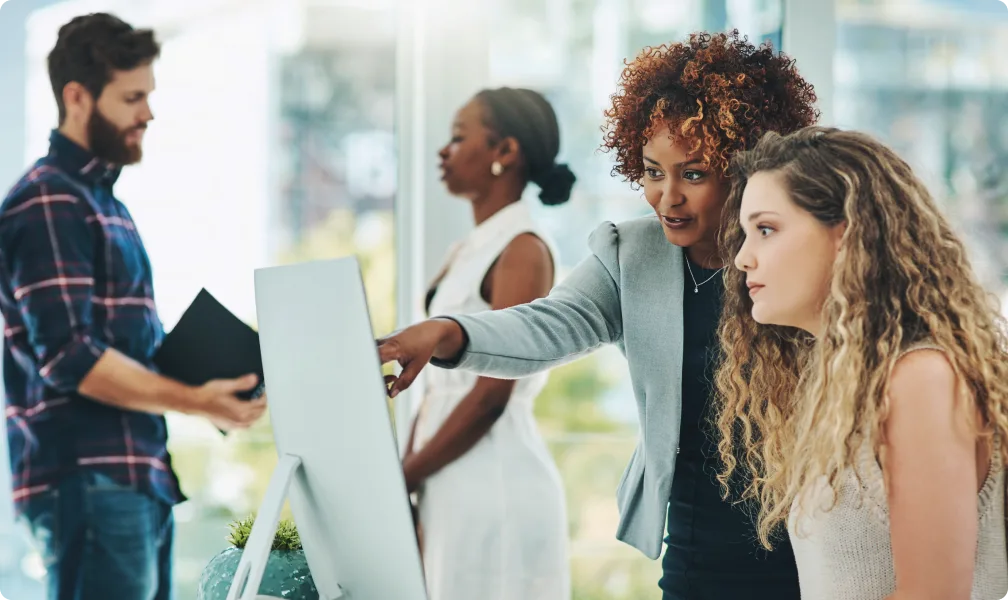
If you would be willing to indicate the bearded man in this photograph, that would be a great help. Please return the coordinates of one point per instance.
(85, 406)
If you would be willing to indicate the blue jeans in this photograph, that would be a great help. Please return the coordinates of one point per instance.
(100, 540)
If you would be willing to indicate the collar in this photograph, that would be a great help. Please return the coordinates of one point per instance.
(501, 221)
(81, 163)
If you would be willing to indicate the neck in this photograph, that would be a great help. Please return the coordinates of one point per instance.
(816, 328)
(811, 324)
(75, 135)
(495, 199)
(705, 253)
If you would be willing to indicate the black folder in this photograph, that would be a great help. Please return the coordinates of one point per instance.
(210, 342)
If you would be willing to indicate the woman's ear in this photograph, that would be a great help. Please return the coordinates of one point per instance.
(507, 152)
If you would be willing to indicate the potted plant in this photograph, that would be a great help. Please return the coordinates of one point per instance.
(286, 575)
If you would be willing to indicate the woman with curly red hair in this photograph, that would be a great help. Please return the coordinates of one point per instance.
(652, 287)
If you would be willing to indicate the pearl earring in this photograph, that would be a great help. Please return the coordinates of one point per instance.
(496, 169)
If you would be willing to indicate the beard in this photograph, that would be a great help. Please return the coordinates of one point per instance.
(108, 142)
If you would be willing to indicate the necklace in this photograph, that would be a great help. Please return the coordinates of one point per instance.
(696, 286)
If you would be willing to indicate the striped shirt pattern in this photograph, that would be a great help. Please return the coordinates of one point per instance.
(75, 280)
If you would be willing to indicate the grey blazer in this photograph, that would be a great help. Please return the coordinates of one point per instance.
(628, 293)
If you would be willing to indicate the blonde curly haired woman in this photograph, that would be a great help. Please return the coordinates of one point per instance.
(865, 381)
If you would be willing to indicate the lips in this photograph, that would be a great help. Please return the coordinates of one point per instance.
(676, 222)
(753, 287)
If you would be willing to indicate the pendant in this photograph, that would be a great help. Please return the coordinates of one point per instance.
(696, 290)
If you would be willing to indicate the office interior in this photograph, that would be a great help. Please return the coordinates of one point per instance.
(293, 130)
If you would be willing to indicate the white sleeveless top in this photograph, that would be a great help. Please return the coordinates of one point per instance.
(494, 520)
(845, 553)
(460, 292)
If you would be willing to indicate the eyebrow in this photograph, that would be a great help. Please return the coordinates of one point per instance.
(677, 165)
(760, 213)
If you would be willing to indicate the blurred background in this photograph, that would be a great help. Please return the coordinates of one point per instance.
(290, 130)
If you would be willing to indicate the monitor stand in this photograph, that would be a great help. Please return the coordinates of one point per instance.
(250, 570)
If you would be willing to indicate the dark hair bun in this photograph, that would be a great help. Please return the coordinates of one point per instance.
(555, 183)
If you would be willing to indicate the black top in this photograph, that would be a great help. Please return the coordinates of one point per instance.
(711, 549)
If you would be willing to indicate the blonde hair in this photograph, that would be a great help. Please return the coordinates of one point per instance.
(792, 408)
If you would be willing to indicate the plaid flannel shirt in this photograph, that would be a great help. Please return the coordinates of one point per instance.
(75, 280)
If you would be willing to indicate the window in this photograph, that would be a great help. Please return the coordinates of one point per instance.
(929, 78)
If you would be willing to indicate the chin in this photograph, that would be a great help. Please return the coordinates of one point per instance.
(761, 315)
(683, 239)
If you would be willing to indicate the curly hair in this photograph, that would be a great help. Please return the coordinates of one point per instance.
(715, 92)
(796, 408)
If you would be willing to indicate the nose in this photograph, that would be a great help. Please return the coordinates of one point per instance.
(443, 152)
(744, 260)
(672, 195)
(148, 114)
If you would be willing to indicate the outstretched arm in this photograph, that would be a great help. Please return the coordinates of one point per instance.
(579, 315)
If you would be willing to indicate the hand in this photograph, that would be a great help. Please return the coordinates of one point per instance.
(414, 347)
(217, 400)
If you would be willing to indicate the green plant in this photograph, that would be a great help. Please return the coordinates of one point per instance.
(286, 538)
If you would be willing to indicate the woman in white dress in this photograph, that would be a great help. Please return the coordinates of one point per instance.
(865, 374)
(490, 500)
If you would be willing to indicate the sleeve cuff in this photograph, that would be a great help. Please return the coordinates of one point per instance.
(455, 361)
(72, 364)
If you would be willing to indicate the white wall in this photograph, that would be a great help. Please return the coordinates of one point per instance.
(202, 195)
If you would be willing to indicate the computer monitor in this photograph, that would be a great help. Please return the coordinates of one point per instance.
(334, 436)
